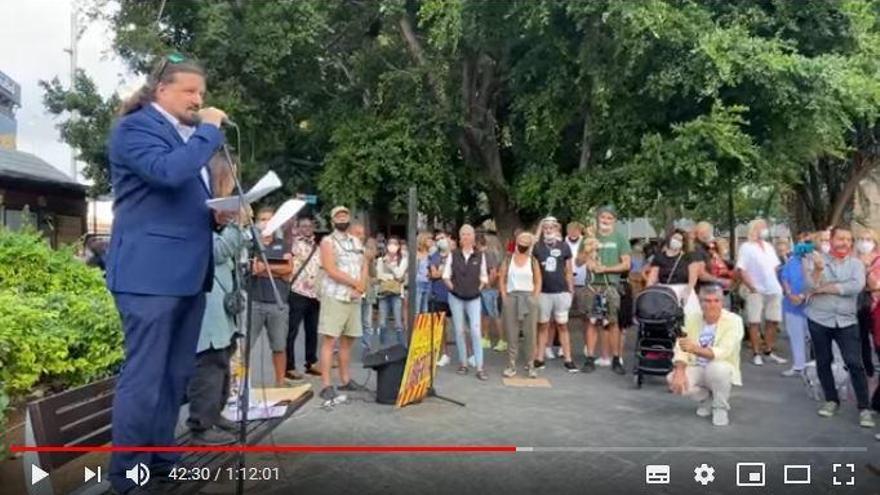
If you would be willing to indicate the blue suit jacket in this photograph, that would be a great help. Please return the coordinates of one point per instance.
(161, 242)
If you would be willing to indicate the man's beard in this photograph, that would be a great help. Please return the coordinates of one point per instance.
(190, 117)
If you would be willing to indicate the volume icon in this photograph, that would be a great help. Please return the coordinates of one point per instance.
(139, 475)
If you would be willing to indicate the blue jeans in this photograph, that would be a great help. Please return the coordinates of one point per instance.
(471, 308)
(423, 294)
(394, 305)
(366, 323)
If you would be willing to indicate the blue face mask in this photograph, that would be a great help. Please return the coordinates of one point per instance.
(802, 249)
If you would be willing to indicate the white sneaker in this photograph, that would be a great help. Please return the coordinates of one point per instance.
(704, 410)
(443, 361)
(472, 361)
(758, 360)
(776, 358)
(559, 352)
(548, 353)
(606, 362)
(719, 417)
(792, 372)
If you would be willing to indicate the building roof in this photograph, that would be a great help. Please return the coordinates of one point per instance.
(25, 166)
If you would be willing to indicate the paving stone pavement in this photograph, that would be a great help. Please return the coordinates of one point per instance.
(596, 430)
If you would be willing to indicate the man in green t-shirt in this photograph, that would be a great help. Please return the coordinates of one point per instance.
(613, 261)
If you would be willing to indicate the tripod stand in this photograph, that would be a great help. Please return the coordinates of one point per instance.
(257, 252)
(412, 226)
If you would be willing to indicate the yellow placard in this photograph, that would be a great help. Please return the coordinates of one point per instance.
(417, 374)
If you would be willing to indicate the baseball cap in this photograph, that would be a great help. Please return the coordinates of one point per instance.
(607, 209)
(338, 209)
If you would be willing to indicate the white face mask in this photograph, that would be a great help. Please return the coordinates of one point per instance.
(865, 246)
(443, 245)
(825, 247)
(675, 244)
(765, 234)
(393, 248)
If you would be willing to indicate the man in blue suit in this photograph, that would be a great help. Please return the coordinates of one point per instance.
(160, 263)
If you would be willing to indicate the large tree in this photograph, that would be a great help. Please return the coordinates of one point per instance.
(515, 109)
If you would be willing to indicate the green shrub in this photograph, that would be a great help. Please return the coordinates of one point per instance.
(58, 323)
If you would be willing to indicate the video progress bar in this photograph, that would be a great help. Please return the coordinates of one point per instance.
(683, 449)
(426, 449)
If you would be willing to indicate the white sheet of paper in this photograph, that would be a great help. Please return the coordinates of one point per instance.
(284, 213)
(264, 186)
(257, 410)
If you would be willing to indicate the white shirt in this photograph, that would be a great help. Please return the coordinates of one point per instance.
(579, 272)
(759, 260)
(185, 132)
(484, 273)
(520, 278)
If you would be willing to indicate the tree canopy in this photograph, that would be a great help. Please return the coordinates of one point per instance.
(512, 110)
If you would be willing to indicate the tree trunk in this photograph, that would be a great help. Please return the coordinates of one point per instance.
(861, 167)
(586, 142)
(477, 139)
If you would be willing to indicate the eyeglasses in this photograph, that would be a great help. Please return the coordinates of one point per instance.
(172, 58)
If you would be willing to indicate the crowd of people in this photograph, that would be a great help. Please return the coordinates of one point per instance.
(524, 299)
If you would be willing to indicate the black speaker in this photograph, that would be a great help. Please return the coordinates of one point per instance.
(389, 364)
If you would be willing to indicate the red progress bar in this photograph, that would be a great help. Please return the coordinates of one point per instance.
(301, 449)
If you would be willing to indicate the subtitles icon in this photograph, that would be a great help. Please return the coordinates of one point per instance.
(139, 475)
(751, 474)
(797, 474)
(849, 479)
(657, 474)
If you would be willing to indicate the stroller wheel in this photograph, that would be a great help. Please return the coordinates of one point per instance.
(637, 379)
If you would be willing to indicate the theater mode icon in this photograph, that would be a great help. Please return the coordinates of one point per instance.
(751, 474)
(657, 474)
(798, 474)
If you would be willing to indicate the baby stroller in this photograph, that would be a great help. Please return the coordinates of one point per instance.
(659, 318)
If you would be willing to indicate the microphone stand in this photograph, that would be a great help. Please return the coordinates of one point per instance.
(257, 251)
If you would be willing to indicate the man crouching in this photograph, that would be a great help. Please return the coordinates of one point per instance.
(707, 364)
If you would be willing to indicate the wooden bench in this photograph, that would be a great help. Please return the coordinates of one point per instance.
(82, 417)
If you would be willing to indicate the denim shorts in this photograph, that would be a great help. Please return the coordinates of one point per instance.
(489, 302)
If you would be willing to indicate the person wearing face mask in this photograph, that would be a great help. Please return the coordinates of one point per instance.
(557, 289)
(391, 275)
(823, 241)
(833, 284)
(520, 286)
(343, 288)
(425, 248)
(791, 276)
(614, 259)
(866, 248)
(439, 301)
(756, 264)
(671, 266)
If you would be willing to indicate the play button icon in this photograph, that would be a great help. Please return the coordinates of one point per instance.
(37, 474)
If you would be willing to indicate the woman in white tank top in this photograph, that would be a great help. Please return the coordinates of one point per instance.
(520, 285)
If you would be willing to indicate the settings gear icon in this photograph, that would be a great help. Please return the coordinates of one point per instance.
(704, 474)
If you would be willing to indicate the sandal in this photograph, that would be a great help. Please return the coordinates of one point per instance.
(462, 370)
